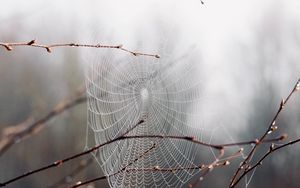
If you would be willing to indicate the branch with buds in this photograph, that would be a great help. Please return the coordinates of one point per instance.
(48, 47)
(245, 165)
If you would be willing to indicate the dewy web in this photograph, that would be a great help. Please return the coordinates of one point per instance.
(165, 93)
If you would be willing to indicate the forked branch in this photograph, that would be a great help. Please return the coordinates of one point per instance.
(271, 128)
(123, 137)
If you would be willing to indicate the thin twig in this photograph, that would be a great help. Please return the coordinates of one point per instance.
(66, 180)
(269, 130)
(214, 164)
(60, 162)
(9, 46)
(78, 184)
(14, 134)
(259, 162)
(122, 137)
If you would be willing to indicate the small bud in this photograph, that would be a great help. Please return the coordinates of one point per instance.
(247, 167)
(282, 103)
(31, 42)
(202, 166)
(272, 146)
(297, 86)
(283, 137)
(226, 163)
(273, 128)
(156, 168)
(48, 49)
(157, 56)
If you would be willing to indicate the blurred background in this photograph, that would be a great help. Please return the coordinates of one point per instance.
(247, 51)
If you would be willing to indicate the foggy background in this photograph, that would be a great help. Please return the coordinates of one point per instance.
(248, 54)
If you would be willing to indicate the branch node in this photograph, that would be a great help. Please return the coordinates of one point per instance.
(31, 42)
(7, 47)
(48, 49)
(283, 137)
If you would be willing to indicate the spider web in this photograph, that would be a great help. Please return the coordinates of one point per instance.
(165, 93)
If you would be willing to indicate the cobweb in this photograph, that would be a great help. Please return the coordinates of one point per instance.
(166, 93)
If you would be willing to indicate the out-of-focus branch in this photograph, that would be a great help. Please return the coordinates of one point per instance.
(9, 46)
(271, 128)
(14, 134)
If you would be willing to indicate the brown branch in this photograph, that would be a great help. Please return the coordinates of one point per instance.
(259, 162)
(48, 48)
(123, 137)
(214, 164)
(269, 130)
(60, 162)
(78, 184)
(66, 180)
(215, 146)
(14, 134)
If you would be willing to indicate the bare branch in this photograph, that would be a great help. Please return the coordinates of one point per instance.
(123, 137)
(14, 134)
(272, 127)
(78, 184)
(217, 163)
(9, 47)
(66, 180)
(259, 162)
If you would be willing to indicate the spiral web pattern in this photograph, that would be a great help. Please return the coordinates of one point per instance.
(122, 90)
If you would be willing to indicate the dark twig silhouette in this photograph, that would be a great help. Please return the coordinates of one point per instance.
(272, 127)
(122, 137)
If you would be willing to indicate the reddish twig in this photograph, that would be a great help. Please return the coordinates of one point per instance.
(48, 48)
(60, 162)
(214, 164)
(259, 162)
(123, 137)
(67, 179)
(12, 135)
(269, 130)
(78, 184)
